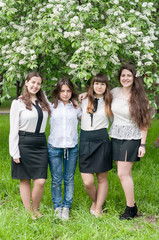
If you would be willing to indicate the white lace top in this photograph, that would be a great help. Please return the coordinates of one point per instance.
(122, 126)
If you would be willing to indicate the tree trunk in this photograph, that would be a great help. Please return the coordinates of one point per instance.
(19, 88)
(1, 90)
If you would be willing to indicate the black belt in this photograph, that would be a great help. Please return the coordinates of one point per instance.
(23, 133)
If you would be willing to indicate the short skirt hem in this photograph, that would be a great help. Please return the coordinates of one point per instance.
(94, 171)
(125, 150)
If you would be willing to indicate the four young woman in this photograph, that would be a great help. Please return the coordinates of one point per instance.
(128, 106)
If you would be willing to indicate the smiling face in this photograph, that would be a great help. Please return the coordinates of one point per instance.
(126, 78)
(33, 85)
(99, 89)
(65, 94)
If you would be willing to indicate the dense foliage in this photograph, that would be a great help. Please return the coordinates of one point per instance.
(77, 37)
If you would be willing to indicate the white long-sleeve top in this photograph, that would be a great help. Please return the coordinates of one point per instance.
(22, 119)
(63, 125)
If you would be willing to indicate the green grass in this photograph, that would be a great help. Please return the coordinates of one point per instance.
(16, 224)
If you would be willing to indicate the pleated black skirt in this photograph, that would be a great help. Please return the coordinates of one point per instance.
(95, 151)
(34, 157)
(125, 150)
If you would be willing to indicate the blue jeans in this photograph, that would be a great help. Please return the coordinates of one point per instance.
(58, 157)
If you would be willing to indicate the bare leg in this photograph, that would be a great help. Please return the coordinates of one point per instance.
(102, 190)
(89, 185)
(124, 174)
(38, 188)
(25, 192)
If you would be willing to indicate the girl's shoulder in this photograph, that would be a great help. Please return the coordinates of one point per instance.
(18, 101)
(116, 91)
(84, 103)
(17, 105)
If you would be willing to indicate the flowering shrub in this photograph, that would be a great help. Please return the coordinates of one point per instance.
(77, 37)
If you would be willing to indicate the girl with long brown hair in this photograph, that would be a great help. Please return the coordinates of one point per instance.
(27, 142)
(63, 145)
(130, 107)
(95, 146)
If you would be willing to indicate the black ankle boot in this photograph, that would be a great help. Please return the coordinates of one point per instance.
(130, 212)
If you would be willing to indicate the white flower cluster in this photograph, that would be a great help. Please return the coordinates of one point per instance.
(146, 4)
(115, 60)
(73, 65)
(2, 4)
(71, 34)
(84, 8)
(116, 1)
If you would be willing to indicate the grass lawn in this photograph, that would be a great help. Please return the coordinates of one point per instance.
(16, 224)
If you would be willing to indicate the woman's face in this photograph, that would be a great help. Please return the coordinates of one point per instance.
(99, 89)
(126, 78)
(33, 85)
(65, 94)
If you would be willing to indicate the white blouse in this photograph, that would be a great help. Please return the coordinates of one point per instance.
(100, 120)
(123, 126)
(22, 119)
(63, 125)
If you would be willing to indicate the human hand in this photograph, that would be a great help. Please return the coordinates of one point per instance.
(75, 103)
(141, 151)
(16, 160)
(82, 96)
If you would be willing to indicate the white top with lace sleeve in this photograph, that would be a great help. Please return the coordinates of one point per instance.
(122, 126)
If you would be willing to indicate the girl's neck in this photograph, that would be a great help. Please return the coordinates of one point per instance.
(126, 92)
(33, 98)
(98, 95)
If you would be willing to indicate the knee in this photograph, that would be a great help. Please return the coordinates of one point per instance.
(121, 175)
(41, 183)
(101, 178)
(88, 183)
(69, 180)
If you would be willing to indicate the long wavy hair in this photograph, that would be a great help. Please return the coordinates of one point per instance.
(40, 95)
(57, 89)
(106, 96)
(138, 104)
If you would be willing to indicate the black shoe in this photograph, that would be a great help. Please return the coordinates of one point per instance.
(130, 212)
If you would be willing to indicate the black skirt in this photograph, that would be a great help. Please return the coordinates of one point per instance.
(95, 151)
(125, 150)
(34, 157)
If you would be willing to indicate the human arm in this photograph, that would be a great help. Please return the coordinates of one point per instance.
(79, 112)
(14, 131)
(82, 96)
(141, 150)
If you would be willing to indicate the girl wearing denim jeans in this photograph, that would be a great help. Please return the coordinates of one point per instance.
(63, 145)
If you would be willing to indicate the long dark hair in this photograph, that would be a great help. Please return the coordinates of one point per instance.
(138, 103)
(106, 96)
(57, 89)
(40, 95)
